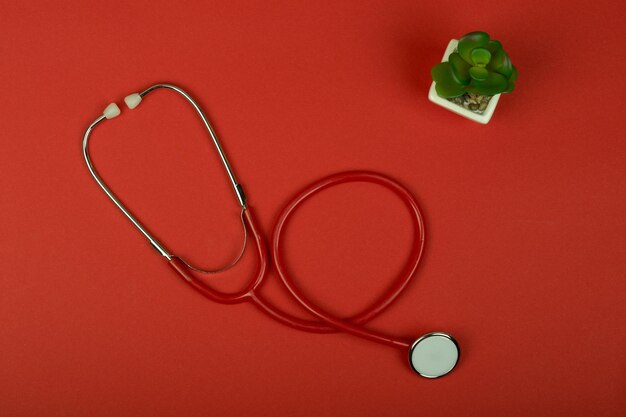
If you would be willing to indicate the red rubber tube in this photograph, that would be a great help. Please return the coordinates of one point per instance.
(325, 322)
(237, 297)
(353, 325)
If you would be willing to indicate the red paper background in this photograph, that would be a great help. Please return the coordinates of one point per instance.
(526, 238)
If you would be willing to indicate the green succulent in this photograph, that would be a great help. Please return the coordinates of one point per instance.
(479, 65)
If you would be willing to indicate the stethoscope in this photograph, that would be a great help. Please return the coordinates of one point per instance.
(432, 355)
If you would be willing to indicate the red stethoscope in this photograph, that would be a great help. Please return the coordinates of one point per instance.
(432, 355)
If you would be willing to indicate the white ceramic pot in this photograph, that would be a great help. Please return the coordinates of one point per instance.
(480, 118)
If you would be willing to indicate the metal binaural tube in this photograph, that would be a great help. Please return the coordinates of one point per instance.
(153, 241)
(238, 189)
(112, 111)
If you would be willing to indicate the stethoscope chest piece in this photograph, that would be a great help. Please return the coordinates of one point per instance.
(434, 355)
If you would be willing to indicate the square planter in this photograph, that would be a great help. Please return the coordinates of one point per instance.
(483, 117)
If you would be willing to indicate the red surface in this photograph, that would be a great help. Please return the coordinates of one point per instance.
(526, 238)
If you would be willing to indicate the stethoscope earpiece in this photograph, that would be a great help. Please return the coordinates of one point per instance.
(111, 111)
(434, 355)
(132, 100)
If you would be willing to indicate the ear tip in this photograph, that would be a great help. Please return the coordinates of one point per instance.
(111, 111)
(132, 100)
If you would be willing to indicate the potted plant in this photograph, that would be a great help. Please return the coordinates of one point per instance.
(473, 73)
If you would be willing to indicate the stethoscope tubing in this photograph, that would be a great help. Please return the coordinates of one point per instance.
(354, 324)
(326, 322)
